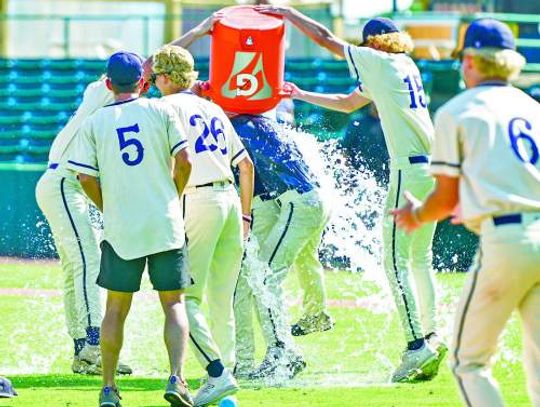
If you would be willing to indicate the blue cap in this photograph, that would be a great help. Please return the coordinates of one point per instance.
(124, 68)
(489, 33)
(378, 26)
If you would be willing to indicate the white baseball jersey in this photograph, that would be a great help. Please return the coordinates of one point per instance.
(490, 137)
(213, 142)
(96, 95)
(129, 145)
(393, 83)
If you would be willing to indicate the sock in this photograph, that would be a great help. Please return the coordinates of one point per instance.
(79, 344)
(416, 344)
(215, 368)
(92, 335)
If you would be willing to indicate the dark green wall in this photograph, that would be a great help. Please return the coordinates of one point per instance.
(25, 233)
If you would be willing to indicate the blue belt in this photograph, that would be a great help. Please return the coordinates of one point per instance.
(419, 159)
(511, 218)
(53, 166)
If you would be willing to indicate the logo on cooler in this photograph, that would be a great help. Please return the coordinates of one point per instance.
(247, 78)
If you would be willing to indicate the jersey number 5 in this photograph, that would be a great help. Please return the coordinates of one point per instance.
(133, 142)
(416, 91)
(520, 133)
(215, 129)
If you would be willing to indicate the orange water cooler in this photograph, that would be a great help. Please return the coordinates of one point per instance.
(247, 60)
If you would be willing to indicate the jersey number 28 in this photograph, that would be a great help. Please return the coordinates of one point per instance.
(520, 134)
(130, 142)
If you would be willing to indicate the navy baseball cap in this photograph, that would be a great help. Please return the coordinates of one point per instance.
(489, 33)
(124, 68)
(378, 26)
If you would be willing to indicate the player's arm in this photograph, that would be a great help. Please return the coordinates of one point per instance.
(246, 175)
(182, 170)
(92, 188)
(311, 28)
(197, 32)
(340, 102)
(439, 205)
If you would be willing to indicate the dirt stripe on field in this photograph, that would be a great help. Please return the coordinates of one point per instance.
(30, 292)
(374, 303)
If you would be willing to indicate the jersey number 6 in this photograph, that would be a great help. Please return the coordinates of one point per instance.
(518, 136)
(125, 143)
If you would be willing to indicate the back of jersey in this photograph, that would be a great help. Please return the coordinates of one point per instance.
(213, 142)
(491, 136)
(129, 145)
(394, 84)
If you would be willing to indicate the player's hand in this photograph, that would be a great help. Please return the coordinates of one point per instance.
(205, 27)
(247, 230)
(404, 217)
(199, 87)
(293, 90)
(276, 10)
(457, 217)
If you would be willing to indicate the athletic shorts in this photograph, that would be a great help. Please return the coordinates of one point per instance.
(167, 270)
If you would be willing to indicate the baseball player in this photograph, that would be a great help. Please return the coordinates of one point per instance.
(289, 217)
(295, 178)
(486, 158)
(128, 145)
(388, 77)
(64, 204)
(217, 219)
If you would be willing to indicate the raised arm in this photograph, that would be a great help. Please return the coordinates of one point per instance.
(334, 101)
(311, 28)
(91, 187)
(197, 32)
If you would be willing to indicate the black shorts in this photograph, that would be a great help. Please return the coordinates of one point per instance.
(167, 270)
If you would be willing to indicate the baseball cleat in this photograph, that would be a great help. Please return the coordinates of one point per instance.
(177, 393)
(89, 362)
(6, 389)
(109, 397)
(216, 388)
(279, 362)
(414, 363)
(312, 323)
(435, 342)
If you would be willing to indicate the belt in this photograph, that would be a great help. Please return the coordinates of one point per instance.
(419, 159)
(53, 166)
(215, 184)
(511, 218)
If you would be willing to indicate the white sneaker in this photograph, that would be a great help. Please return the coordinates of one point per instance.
(216, 388)
(414, 362)
(89, 359)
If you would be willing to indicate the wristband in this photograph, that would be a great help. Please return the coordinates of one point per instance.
(246, 218)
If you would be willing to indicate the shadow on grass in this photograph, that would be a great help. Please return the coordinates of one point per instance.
(75, 382)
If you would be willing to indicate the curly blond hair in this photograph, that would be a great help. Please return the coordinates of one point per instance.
(393, 43)
(497, 63)
(177, 63)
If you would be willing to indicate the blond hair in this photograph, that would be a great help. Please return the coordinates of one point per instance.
(177, 63)
(496, 63)
(393, 43)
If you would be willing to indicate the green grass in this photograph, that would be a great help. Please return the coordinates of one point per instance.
(348, 366)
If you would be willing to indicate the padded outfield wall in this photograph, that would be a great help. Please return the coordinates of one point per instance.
(24, 231)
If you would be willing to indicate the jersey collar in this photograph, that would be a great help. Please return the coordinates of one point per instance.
(493, 83)
(121, 103)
